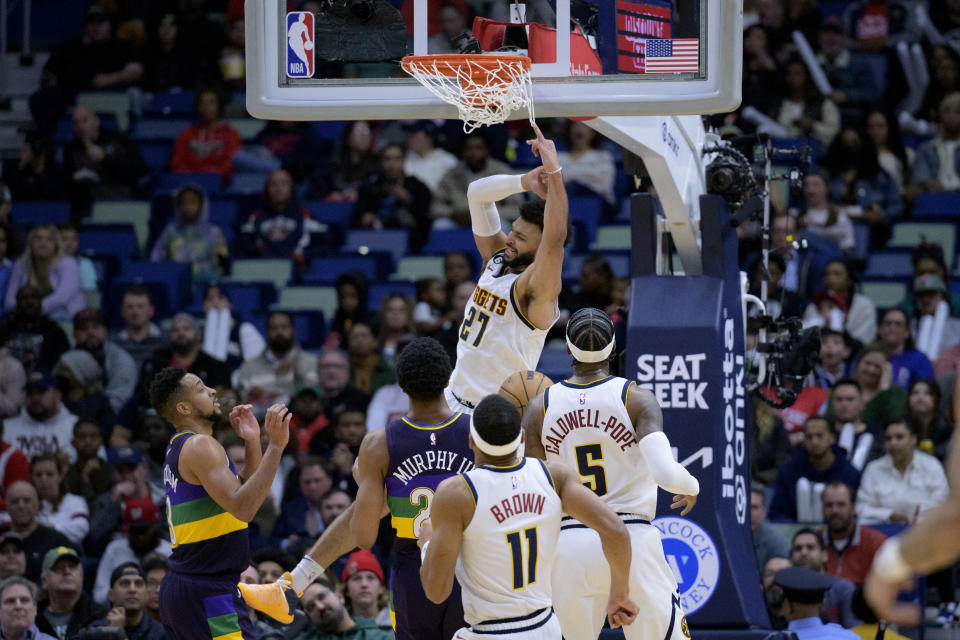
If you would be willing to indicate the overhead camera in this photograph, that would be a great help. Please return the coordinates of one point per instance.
(730, 176)
(362, 10)
(788, 358)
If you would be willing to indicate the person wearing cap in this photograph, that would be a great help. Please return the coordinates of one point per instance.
(44, 425)
(803, 592)
(908, 363)
(18, 611)
(185, 352)
(23, 505)
(141, 519)
(328, 618)
(854, 85)
(130, 473)
(363, 588)
(930, 291)
(120, 371)
(81, 381)
(33, 339)
(67, 608)
(128, 601)
(13, 557)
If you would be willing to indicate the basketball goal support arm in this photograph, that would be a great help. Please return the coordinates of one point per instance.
(670, 147)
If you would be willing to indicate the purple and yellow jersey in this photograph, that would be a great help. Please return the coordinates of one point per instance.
(206, 538)
(421, 457)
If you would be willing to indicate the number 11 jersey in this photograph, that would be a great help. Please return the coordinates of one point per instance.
(496, 339)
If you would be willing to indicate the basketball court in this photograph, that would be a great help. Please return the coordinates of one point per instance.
(641, 73)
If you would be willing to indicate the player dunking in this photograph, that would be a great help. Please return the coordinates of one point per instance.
(515, 302)
(611, 432)
(209, 504)
(401, 465)
(496, 529)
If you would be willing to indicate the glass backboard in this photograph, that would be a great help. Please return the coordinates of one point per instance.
(340, 59)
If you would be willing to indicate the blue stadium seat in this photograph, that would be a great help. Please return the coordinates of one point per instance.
(379, 291)
(310, 327)
(889, 264)
(937, 205)
(159, 129)
(29, 214)
(223, 211)
(329, 129)
(332, 213)
(172, 277)
(444, 240)
(249, 298)
(861, 234)
(555, 364)
(64, 132)
(156, 155)
(585, 212)
(396, 242)
(327, 270)
(119, 240)
(247, 183)
(170, 104)
(170, 182)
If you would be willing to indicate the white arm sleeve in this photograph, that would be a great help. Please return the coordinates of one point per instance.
(482, 195)
(667, 472)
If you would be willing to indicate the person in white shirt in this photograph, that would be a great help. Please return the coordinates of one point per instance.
(823, 218)
(425, 161)
(66, 512)
(903, 484)
(44, 425)
(496, 527)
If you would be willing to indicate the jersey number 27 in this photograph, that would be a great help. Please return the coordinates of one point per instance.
(481, 318)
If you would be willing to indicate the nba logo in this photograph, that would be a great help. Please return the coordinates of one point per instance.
(583, 397)
(300, 44)
(433, 439)
(514, 482)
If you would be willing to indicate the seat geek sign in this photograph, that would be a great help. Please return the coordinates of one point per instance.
(673, 379)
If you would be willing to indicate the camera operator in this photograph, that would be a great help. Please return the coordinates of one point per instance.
(65, 608)
(128, 601)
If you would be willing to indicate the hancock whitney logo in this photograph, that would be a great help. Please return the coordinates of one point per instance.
(300, 47)
(692, 557)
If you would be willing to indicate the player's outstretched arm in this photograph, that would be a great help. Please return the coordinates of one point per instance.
(532, 426)
(582, 504)
(482, 196)
(372, 463)
(539, 284)
(204, 459)
(441, 536)
(669, 474)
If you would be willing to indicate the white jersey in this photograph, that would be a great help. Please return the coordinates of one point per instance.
(587, 427)
(496, 340)
(506, 558)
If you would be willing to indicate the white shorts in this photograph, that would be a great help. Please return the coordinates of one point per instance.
(542, 626)
(456, 405)
(581, 586)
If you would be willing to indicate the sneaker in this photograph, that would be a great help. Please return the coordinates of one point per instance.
(271, 599)
(946, 614)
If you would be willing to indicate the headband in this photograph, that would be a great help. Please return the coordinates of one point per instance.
(590, 356)
(494, 449)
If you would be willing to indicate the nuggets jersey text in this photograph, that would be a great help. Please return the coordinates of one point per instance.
(587, 427)
(495, 337)
(207, 540)
(506, 559)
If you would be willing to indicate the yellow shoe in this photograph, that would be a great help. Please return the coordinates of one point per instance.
(271, 598)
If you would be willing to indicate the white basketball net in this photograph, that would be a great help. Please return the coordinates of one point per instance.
(483, 94)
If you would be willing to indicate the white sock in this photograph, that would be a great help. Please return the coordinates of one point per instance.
(305, 573)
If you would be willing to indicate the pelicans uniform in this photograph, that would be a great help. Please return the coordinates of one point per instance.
(587, 427)
(496, 339)
(507, 554)
(421, 457)
(198, 595)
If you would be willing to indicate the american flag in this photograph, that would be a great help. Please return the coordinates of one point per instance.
(672, 56)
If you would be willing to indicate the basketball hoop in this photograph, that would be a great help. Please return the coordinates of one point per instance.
(485, 89)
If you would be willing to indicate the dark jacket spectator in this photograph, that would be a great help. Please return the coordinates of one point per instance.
(875, 25)
(37, 175)
(854, 84)
(167, 60)
(392, 200)
(100, 164)
(33, 339)
(282, 228)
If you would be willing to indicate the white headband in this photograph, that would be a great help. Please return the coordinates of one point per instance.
(494, 449)
(590, 356)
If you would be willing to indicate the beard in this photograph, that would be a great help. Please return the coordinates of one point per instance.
(213, 417)
(331, 619)
(280, 345)
(522, 260)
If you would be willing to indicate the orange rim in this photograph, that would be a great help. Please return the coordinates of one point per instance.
(482, 67)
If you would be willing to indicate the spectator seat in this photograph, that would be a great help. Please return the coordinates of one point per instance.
(307, 298)
(170, 182)
(396, 242)
(937, 205)
(112, 102)
(613, 237)
(910, 234)
(27, 213)
(135, 212)
(889, 264)
(327, 270)
(275, 270)
(118, 240)
(379, 291)
(414, 268)
(443, 240)
(885, 294)
(170, 104)
(159, 129)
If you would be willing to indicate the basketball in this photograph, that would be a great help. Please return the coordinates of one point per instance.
(521, 386)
